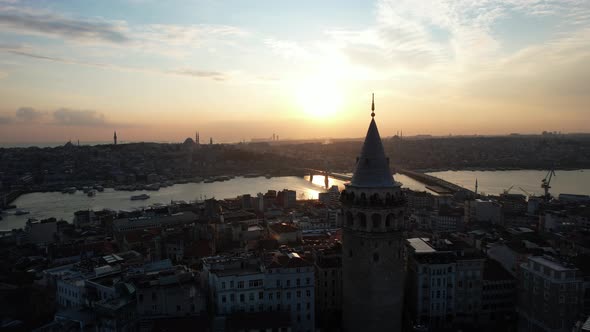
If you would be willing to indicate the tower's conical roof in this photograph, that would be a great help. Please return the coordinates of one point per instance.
(372, 167)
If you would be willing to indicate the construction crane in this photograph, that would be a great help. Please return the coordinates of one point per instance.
(546, 183)
(526, 192)
(507, 191)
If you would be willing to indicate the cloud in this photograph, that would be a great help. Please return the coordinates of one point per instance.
(27, 52)
(71, 117)
(164, 39)
(28, 114)
(214, 75)
(5, 120)
(288, 49)
(58, 26)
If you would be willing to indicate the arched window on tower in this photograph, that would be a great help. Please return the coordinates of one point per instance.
(376, 218)
(362, 220)
(349, 219)
(389, 220)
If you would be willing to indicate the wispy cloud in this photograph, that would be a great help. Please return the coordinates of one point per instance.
(58, 26)
(71, 117)
(28, 114)
(30, 53)
(59, 117)
(5, 120)
(214, 75)
(288, 49)
(164, 39)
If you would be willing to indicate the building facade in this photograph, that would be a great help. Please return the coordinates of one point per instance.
(550, 295)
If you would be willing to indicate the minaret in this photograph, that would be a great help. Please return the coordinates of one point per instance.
(373, 263)
(115, 138)
(475, 186)
(210, 140)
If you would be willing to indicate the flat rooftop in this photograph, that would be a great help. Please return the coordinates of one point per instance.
(420, 245)
(549, 263)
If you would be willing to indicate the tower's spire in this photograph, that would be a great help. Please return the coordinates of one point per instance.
(373, 106)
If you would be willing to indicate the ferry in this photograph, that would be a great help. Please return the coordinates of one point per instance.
(21, 212)
(69, 190)
(140, 197)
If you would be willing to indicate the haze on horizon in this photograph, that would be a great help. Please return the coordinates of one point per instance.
(235, 70)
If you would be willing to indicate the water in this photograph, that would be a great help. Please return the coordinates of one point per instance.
(495, 182)
(63, 206)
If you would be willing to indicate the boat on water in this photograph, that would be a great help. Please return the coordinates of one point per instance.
(99, 188)
(268, 176)
(91, 193)
(69, 190)
(140, 197)
(153, 186)
(21, 212)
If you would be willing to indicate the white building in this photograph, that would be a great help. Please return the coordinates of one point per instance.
(280, 282)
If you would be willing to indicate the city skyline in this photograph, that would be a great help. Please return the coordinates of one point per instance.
(156, 72)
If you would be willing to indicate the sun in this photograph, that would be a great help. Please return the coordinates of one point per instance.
(319, 97)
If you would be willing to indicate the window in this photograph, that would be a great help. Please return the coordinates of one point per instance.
(240, 284)
(223, 299)
(298, 306)
(242, 298)
(288, 295)
(298, 282)
(255, 283)
(154, 296)
(231, 284)
(223, 285)
(232, 297)
(278, 295)
(308, 293)
(260, 295)
(270, 296)
(298, 293)
(375, 257)
(251, 296)
(177, 308)
(288, 283)
(278, 283)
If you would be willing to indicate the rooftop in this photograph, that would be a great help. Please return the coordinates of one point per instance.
(420, 245)
(550, 263)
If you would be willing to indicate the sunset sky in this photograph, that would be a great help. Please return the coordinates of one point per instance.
(235, 70)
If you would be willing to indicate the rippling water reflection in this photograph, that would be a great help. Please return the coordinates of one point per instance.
(58, 205)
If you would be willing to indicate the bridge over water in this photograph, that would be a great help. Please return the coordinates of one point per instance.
(433, 183)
